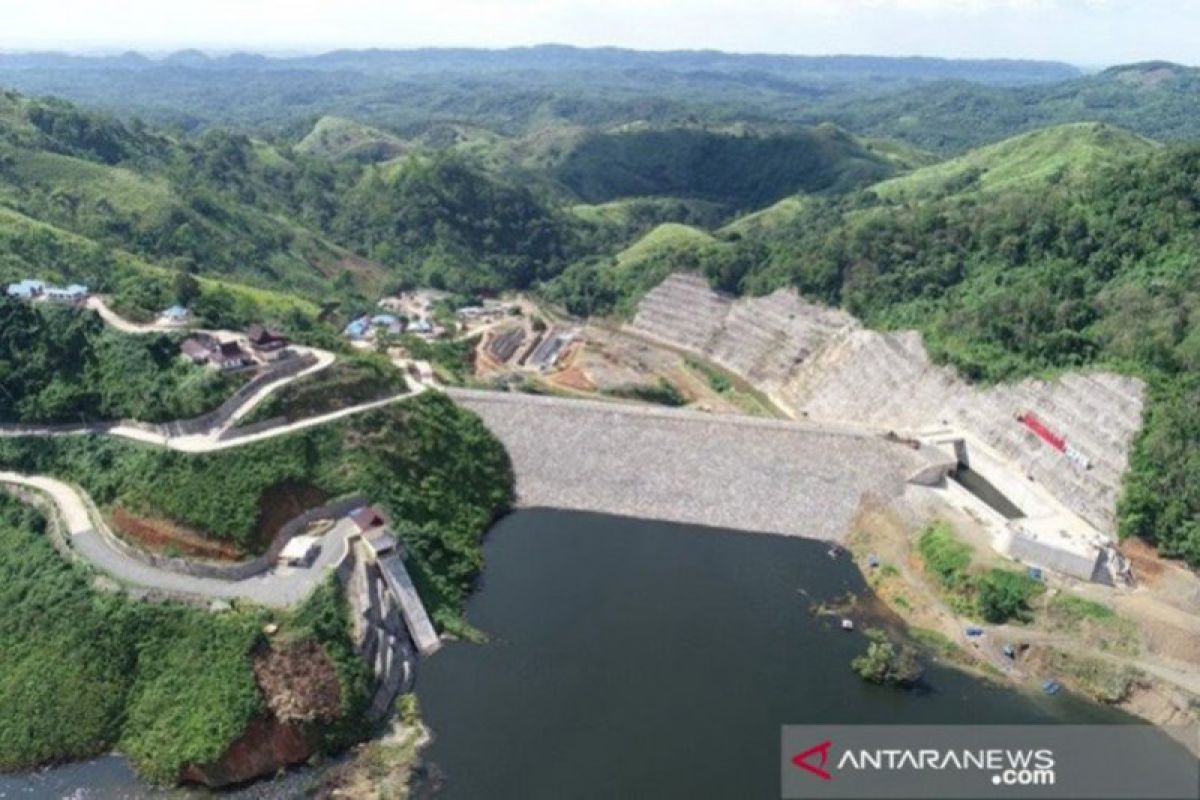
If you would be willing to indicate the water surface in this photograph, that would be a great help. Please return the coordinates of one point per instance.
(643, 659)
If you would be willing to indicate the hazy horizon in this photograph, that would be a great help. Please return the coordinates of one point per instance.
(1086, 33)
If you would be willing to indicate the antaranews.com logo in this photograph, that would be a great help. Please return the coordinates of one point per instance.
(1010, 761)
(1007, 767)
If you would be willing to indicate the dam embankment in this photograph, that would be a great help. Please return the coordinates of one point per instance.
(750, 474)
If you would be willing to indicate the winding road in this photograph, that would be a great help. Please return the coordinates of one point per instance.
(277, 587)
(89, 536)
(219, 437)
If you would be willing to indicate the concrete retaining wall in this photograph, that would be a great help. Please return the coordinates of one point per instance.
(743, 473)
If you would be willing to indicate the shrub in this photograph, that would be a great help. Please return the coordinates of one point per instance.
(945, 556)
(1002, 595)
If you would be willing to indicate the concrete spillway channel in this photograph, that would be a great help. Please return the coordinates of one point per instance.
(390, 625)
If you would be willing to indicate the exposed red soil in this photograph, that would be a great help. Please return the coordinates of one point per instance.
(160, 535)
(299, 686)
(266, 746)
(573, 378)
(1147, 565)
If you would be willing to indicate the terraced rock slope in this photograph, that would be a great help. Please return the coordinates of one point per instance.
(820, 363)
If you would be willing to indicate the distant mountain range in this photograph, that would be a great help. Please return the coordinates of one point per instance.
(552, 57)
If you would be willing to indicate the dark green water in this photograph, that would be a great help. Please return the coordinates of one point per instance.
(632, 659)
(635, 659)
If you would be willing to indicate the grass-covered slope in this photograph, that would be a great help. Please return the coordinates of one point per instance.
(1062, 153)
(598, 286)
(338, 138)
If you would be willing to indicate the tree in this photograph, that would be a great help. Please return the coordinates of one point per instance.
(886, 665)
(187, 288)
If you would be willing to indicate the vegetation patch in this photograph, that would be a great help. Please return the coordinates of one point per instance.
(1100, 680)
(1095, 622)
(996, 595)
(662, 393)
(434, 467)
(887, 663)
(82, 671)
(936, 642)
(452, 360)
(351, 380)
(61, 365)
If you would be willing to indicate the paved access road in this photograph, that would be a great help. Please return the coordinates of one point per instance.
(278, 587)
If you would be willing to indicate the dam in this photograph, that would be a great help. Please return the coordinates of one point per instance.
(820, 364)
(743, 473)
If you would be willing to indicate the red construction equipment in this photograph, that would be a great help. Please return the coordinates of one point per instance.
(1030, 420)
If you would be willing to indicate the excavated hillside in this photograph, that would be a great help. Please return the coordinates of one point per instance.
(820, 363)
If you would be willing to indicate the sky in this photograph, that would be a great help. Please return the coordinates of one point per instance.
(1083, 32)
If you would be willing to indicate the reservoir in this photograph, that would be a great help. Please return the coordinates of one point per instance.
(644, 659)
(632, 659)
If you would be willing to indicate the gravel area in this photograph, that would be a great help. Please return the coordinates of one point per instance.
(749, 474)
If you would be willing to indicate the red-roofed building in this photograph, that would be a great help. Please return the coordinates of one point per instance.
(368, 517)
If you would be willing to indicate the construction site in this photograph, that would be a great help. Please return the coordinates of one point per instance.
(1029, 473)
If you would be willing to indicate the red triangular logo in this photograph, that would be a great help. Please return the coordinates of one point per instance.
(822, 749)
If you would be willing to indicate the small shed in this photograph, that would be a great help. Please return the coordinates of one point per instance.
(368, 517)
(198, 348)
(229, 355)
(300, 551)
(175, 315)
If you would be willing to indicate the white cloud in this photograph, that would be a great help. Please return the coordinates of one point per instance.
(1084, 31)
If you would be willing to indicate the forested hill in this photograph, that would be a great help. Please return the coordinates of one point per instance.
(508, 90)
(557, 58)
(1156, 99)
(346, 210)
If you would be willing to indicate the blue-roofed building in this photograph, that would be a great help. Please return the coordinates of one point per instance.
(175, 315)
(27, 289)
(358, 328)
(384, 320)
(421, 326)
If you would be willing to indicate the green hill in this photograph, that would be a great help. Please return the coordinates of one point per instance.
(337, 138)
(1067, 152)
(740, 170)
(1155, 99)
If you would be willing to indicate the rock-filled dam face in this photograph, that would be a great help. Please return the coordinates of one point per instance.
(770, 476)
(820, 364)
